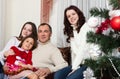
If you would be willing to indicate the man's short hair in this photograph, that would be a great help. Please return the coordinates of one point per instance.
(42, 24)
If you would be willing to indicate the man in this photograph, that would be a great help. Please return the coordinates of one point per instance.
(46, 56)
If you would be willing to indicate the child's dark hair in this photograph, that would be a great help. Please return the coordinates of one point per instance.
(34, 45)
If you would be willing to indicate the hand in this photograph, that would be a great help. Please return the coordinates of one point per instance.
(22, 64)
(29, 66)
(43, 72)
(9, 52)
(71, 72)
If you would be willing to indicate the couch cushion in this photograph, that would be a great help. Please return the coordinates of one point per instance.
(66, 53)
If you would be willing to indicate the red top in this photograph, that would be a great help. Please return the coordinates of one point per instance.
(27, 56)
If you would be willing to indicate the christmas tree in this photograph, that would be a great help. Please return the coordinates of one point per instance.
(107, 37)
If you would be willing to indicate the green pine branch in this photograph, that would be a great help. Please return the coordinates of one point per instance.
(106, 43)
(99, 12)
(102, 64)
(115, 4)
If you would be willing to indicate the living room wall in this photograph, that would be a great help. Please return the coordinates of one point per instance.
(16, 13)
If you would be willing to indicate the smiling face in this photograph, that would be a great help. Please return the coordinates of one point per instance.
(44, 33)
(27, 30)
(27, 44)
(72, 17)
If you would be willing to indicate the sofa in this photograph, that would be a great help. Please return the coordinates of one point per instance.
(66, 55)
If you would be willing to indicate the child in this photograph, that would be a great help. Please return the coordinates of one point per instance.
(19, 64)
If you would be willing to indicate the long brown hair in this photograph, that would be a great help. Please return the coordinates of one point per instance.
(68, 30)
(34, 31)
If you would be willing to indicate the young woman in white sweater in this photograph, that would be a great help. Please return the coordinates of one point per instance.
(74, 21)
(28, 28)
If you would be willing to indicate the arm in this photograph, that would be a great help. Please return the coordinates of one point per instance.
(28, 61)
(29, 58)
(43, 71)
(13, 41)
(27, 66)
(10, 58)
(79, 55)
(79, 46)
(58, 61)
(9, 52)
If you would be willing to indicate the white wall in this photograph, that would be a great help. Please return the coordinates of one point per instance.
(0, 22)
(17, 12)
(2, 10)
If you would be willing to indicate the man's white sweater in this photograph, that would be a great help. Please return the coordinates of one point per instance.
(48, 55)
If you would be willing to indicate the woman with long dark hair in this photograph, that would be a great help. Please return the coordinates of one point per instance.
(73, 21)
(28, 28)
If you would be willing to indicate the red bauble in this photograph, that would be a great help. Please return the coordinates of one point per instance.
(115, 23)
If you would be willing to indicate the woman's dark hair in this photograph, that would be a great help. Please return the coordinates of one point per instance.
(34, 45)
(68, 30)
(34, 31)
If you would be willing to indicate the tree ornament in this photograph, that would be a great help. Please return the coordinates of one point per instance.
(114, 13)
(115, 23)
(93, 22)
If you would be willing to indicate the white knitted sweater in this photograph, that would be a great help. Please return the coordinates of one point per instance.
(79, 46)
